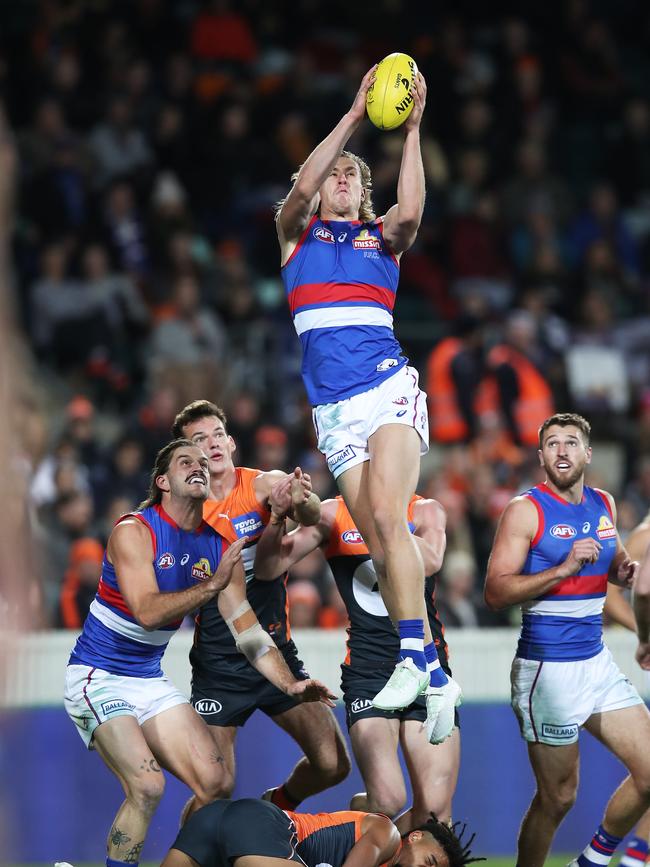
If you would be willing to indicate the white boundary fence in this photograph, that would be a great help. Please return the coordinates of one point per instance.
(480, 658)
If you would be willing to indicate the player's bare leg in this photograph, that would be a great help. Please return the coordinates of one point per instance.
(121, 744)
(556, 773)
(433, 771)
(374, 742)
(326, 761)
(626, 733)
(224, 740)
(377, 494)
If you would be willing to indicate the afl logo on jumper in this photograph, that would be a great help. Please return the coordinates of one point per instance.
(605, 530)
(207, 706)
(352, 537)
(563, 531)
(323, 234)
(166, 561)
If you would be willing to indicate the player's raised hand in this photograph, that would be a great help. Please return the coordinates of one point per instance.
(582, 551)
(357, 110)
(311, 690)
(419, 89)
(230, 561)
(300, 487)
(626, 572)
(280, 497)
(642, 655)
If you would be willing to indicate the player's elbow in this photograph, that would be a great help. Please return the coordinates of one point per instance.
(494, 597)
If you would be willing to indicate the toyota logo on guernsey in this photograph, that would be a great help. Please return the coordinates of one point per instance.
(323, 234)
(352, 537)
(563, 531)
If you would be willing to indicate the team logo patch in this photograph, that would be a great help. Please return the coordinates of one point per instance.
(184, 559)
(401, 401)
(352, 537)
(366, 241)
(341, 457)
(563, 531)
(586, 527)
(166, 561)
(360, 704)
(109, 707)
(386, 364)
(605, 529)
(207, 706)
(247, 525)
(321, 233)
(201, 570)
(560, 733)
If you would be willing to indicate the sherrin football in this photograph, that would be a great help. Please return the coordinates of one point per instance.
(389, 100)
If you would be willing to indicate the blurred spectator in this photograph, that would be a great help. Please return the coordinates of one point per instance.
(534, 186)
(220, 33)
(125, 230)
(124, 475)
(304, 604)
(455, 369)
(629, 155)
(80, 582)
(271, 449)
(455, 599)
(118, 146)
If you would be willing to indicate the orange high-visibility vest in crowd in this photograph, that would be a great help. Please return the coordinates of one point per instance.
(535, 402)
(446, 423)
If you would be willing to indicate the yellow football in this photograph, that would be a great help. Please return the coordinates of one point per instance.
(389, 100)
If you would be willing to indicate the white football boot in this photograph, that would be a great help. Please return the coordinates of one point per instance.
(442, 701)
(404, 685)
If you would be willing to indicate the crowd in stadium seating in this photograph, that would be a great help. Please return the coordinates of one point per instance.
(154, 139)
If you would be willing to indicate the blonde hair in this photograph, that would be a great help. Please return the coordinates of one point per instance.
(366, 209)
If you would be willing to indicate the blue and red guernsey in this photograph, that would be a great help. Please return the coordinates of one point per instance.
(341, 282)
(112, 639)
(565, 624)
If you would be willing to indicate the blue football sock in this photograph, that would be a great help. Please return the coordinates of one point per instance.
(636, 852)
(437, 677)
(601, 849)
(411, 642)
(111, 862)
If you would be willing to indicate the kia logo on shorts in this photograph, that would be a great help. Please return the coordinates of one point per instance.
(563, 531)
(208, 706)
(352, 537)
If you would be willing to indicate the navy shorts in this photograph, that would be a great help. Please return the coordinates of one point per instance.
(229, 690)
(360, 687)
(224, 830)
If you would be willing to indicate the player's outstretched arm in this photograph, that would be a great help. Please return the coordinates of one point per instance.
(378, 843)
(504, 583)
(277, 551)
(402, 221)
(131, 553)
(302, 202)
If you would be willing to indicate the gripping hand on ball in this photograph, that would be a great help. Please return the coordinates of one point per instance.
(419, 90)
(358, 109)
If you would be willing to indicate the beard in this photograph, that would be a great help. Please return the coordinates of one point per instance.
(564, 481)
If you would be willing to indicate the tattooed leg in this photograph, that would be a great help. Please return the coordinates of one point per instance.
(129, 829)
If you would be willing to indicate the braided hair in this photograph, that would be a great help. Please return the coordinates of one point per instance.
(451, 839)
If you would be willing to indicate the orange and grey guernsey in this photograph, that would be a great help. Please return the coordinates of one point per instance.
(326, 838)
(372, 639)
(241, 515)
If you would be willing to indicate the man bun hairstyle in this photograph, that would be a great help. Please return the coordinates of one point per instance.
(193, 412)
(566, 419)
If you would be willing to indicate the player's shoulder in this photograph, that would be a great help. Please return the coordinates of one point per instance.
(522, 508)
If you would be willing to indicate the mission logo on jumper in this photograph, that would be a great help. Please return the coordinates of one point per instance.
(366, 241)
(352, 537)
(248, 525)
(201, 570)
(166, 561)
(323, 234)
(563, 531)
(605, 530)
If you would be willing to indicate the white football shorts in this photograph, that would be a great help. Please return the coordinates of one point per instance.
(344, 428)
(553, 699)
(93, 696)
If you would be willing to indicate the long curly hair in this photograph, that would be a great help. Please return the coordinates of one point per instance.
(366, 209)
(451, 839)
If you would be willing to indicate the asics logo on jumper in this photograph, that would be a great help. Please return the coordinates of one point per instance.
(586, 527)
(166, 561)
(563, 531)
(400, 413)
(386, 364)
(560, 732)
(184, 559)
(360, 704)
(323, 234)
(208, 706)
(341, 457)
(342, 237)
(108, 707)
